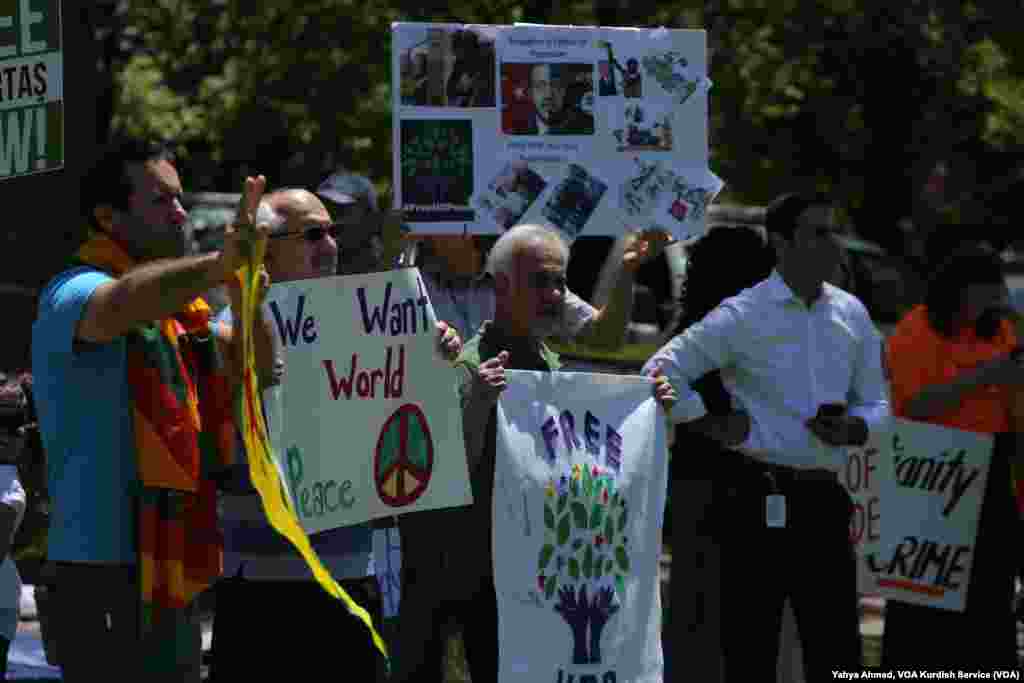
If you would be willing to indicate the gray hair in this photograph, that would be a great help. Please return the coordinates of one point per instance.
(518, 237)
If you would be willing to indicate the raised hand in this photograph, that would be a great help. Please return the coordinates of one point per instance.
(244, 228)
(643, 247)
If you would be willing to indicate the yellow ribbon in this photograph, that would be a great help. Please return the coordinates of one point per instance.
(277, 504)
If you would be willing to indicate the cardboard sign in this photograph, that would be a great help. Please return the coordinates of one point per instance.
(370, 419)
(587, 130)
(579, 498)
(31, 88)
(931, 497)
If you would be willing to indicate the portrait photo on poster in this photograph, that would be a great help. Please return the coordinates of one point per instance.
(541, 98)
(510, 194)
(573, 201)
(445, 66)
(436, 158)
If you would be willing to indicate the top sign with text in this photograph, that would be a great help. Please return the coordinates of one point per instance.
(592, 131)
(31, 88)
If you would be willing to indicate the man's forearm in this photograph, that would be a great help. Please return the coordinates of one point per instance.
(608, 328)
(728, 430)
(154, 291)
(942, 398)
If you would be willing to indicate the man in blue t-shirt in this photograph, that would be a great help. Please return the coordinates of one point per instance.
(79, 353)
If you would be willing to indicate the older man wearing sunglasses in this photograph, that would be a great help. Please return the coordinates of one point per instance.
(265, 573)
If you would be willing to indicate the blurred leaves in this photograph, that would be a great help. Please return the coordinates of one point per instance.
(860, 99)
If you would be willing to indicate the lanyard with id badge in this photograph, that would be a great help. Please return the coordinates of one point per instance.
(774, 505)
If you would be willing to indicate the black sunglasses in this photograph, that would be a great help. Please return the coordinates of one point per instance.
(313, 233)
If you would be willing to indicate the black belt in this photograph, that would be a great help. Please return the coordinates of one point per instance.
(782, 475)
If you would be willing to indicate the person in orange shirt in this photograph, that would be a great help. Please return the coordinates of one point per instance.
(953, 361)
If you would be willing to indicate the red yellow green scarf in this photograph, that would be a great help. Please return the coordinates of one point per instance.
(184, 431)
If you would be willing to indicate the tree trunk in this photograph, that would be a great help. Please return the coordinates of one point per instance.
(601, 610)
(577, 615)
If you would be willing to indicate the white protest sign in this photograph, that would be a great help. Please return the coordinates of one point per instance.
(370, 419)
(587, 130)
(31, 88)
(579, 498)
(862, 473)
(932, 502)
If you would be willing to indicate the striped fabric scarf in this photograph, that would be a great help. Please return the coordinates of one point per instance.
(184, 431)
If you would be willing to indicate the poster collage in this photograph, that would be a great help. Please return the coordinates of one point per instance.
(588, 130)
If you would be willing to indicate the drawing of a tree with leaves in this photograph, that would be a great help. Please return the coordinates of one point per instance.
(584, 560)
(438, 147)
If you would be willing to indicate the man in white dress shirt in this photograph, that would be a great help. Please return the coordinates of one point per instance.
(802, 359)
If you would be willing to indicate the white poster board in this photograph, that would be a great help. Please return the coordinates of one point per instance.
(370, 422)
(932, 500)
(862, 473)
(579, 499)
(587, 130)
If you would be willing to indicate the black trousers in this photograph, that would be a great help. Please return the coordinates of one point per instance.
(446, 577)
(810, 561)
(5, 646)
(984, 636)
(291, 630)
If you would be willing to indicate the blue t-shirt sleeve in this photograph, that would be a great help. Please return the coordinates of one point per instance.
(62, 304)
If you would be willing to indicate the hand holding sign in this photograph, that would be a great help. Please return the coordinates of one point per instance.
(490, 381)
(664, 392)
(643, 247)
(449, 341)
(1005, 370)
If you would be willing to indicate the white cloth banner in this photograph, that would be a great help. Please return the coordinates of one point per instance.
(579, 499)
(367, 419)
(932, 497)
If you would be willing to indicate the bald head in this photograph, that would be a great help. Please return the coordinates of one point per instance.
(292, 202)
(300, 246)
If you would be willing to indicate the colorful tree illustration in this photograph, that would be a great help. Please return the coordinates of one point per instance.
(584, 561)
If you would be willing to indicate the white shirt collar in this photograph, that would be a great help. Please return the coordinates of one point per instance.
(778, 290)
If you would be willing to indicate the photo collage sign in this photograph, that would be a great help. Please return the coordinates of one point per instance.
(593, 131)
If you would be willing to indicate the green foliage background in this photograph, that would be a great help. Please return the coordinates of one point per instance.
(861, 99)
